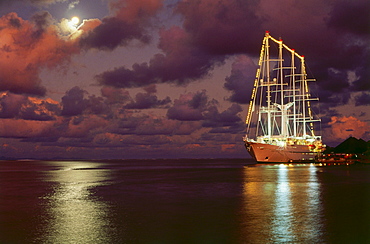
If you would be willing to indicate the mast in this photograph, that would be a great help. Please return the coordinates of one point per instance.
(294, 93)
(304, 94)
(278, 95)
(252, 102)
(283, 108)
(268, 95)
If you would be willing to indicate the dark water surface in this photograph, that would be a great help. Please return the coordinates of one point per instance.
(182, 201)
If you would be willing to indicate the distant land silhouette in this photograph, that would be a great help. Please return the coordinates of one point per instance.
(352, 145)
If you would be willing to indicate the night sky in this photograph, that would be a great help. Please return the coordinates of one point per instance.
(167, 78)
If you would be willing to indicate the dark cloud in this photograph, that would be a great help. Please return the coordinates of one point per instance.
(334, 40)
(14, 21)
(11, 105)
(189, 107)
(84, 127)
(184, 113)
(333, 35)
(329, 100)
(363, 99)
(197, 107)
(147, 100)
(76, 102)
(227, 121)
(31, 118)
(334, 81)
(27, 108)
(222, 27)
(126, 125)
(150, 89)
(130, 22)
(113, 32)
(73, 102)
(114, 95)
(240, 80)
(181, 63)
(350, 16)
(363, 74)
(140, 75)
(97, 105)
(199, 100)
(213, 30)
(42, 111)
(348, 49)
(42, 20)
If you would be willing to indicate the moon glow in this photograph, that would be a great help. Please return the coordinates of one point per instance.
(75, 21)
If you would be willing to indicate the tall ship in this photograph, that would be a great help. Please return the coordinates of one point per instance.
(280, 123)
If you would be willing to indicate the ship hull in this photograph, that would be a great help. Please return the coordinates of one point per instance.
(267, 153)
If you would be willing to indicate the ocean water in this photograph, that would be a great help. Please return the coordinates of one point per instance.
(183, 201)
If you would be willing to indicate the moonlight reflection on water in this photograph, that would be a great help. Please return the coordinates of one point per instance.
(182, 201)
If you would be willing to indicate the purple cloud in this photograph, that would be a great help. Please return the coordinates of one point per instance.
(113, 32)
(27, 108)
(240, 80)
(189, 107)
(147, 100)
(73, 102)
(181, 63)
(363, 99)
(131, 21)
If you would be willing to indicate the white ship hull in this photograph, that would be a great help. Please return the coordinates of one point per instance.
(266, 153)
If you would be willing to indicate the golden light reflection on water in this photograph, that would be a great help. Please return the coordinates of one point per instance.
(282, 207)
(75, 214)
(281, 204)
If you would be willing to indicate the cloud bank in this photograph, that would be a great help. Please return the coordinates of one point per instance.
(206, 35)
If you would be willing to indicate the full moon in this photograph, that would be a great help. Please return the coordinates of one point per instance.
(75, 20)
